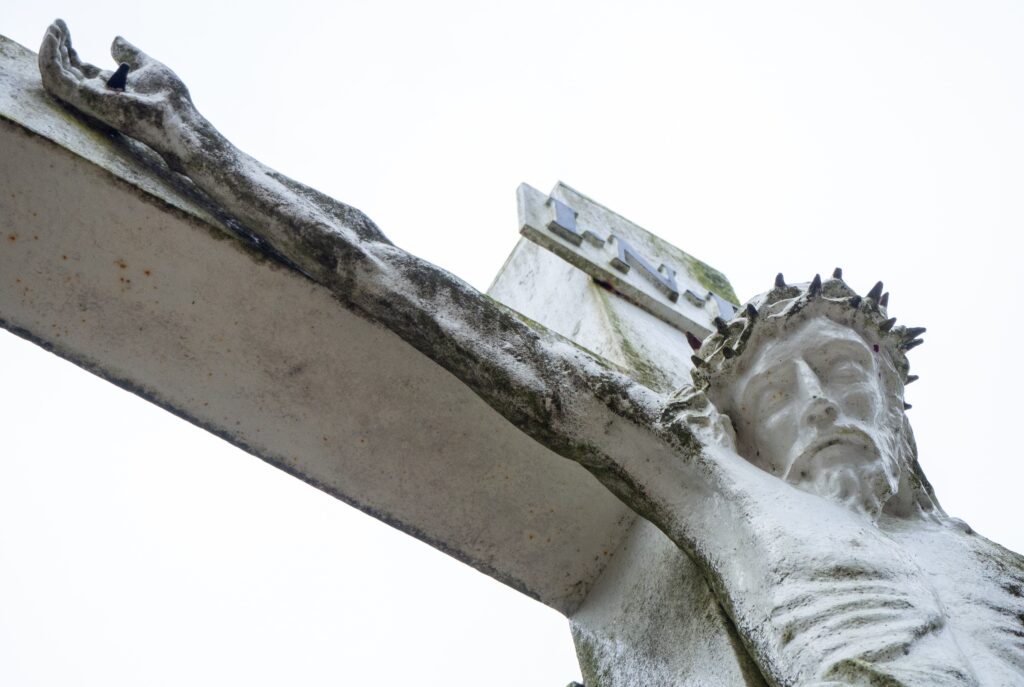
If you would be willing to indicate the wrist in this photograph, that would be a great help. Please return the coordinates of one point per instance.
(189, 140)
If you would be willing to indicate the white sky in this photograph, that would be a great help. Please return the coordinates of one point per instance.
(884, 137)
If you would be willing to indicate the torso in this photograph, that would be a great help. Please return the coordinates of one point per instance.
(909, 602)
(981, 586)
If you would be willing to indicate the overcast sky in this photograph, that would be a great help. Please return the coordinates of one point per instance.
(884, 137)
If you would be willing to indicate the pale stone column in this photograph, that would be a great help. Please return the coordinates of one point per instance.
(651, 618)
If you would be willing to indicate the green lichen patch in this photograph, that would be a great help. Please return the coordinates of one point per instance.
(643, 369)
(711, 279)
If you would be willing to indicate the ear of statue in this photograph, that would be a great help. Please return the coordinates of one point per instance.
(692, 416)
(725, 432)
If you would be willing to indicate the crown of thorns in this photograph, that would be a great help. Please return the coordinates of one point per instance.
(774, 310)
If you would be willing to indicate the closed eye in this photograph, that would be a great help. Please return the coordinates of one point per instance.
(844, 372)
(769, 395)
(765, 392)
(769, 399)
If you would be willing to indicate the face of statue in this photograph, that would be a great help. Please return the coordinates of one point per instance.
(812, 409)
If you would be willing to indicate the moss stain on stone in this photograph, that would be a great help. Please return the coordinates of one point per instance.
(706, 275)
(586, 654)
(711, 279)
(540, 328)
(641, 368)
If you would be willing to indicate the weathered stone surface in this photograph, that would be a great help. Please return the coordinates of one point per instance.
(127, 273)
(657, 277)
(787, 471)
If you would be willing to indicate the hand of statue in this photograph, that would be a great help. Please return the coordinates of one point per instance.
(152, 106)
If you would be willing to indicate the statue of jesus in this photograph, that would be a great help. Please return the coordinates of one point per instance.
(787, 471)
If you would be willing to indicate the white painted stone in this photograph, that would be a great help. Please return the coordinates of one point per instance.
(633, 262)
(844, 570)
(652, 600)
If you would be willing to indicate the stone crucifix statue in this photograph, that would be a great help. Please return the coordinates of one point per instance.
(787, 471)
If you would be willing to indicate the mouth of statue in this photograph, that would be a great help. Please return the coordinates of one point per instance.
(832, 448)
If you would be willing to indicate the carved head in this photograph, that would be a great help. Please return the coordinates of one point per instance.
(812, 377)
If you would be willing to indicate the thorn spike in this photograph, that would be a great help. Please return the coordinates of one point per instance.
(884, 300)
(728, 352)
(855, 302)
(697, 362)
(751, 311)
(911, 379)
(815, 288)
(911, 344)
(780, 281)
(907, 406)
(887, 325)
(837, 273)
(914, 332)
(721, 326)
(693, 341)
(876, 292)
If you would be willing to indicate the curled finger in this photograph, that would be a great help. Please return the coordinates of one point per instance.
(56, 78)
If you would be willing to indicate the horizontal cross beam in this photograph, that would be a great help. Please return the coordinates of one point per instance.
(108, 260)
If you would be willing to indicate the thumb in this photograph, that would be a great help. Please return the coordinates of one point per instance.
(123, 51)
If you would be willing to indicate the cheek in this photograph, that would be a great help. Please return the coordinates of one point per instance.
(861, 402)
(773, 435)
(747, 436)
(745, 439)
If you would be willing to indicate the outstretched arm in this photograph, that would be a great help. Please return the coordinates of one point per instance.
(568, 399)
(559, 394)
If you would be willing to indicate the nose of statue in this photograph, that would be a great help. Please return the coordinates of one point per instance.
(819, 410)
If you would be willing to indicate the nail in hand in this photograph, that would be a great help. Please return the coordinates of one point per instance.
(120, 78)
